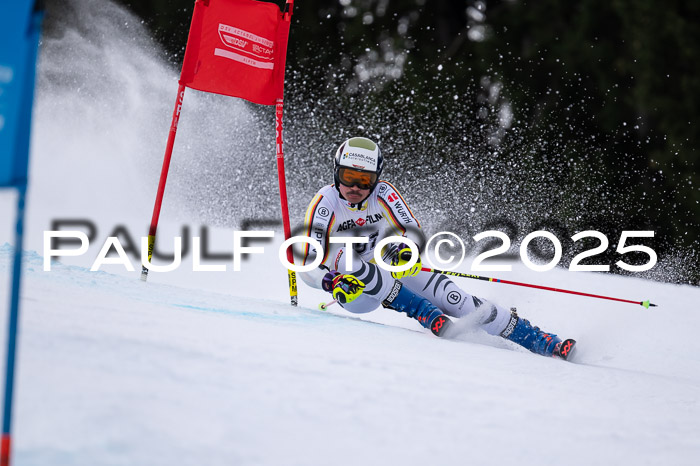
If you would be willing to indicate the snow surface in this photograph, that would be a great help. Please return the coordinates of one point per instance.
(217, 368)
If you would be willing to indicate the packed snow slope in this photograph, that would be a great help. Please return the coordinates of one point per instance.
(115, 371)
(216, 367)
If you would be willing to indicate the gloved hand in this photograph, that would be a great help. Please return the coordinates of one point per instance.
(327, 283)
(347, 288)
(400, 254)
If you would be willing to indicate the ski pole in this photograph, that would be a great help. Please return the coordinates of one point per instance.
(324, 306)
(646, 303)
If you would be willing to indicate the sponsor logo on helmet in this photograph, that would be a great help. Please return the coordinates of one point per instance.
(365, 161)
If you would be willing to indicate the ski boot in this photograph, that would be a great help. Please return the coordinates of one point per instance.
(402, 299)
(547, 344)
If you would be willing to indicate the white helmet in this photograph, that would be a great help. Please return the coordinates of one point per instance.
(358, 162)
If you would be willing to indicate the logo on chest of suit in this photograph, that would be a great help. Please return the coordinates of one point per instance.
(393, 197)
(360, 222)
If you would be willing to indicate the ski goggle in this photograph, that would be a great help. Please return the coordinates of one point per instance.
(350, 177)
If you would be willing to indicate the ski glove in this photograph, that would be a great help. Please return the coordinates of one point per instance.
(347, 288)
(327, 283)
(400, 254)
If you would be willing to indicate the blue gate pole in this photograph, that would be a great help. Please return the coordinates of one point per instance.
(12, 328)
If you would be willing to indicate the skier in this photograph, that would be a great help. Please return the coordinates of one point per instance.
(359, 204)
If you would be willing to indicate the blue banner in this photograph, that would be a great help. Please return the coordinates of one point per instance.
(19, 37)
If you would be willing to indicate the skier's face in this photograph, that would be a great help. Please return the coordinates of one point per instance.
(353, 194)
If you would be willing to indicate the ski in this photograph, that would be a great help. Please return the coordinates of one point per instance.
(565, 349)
(440, 325)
